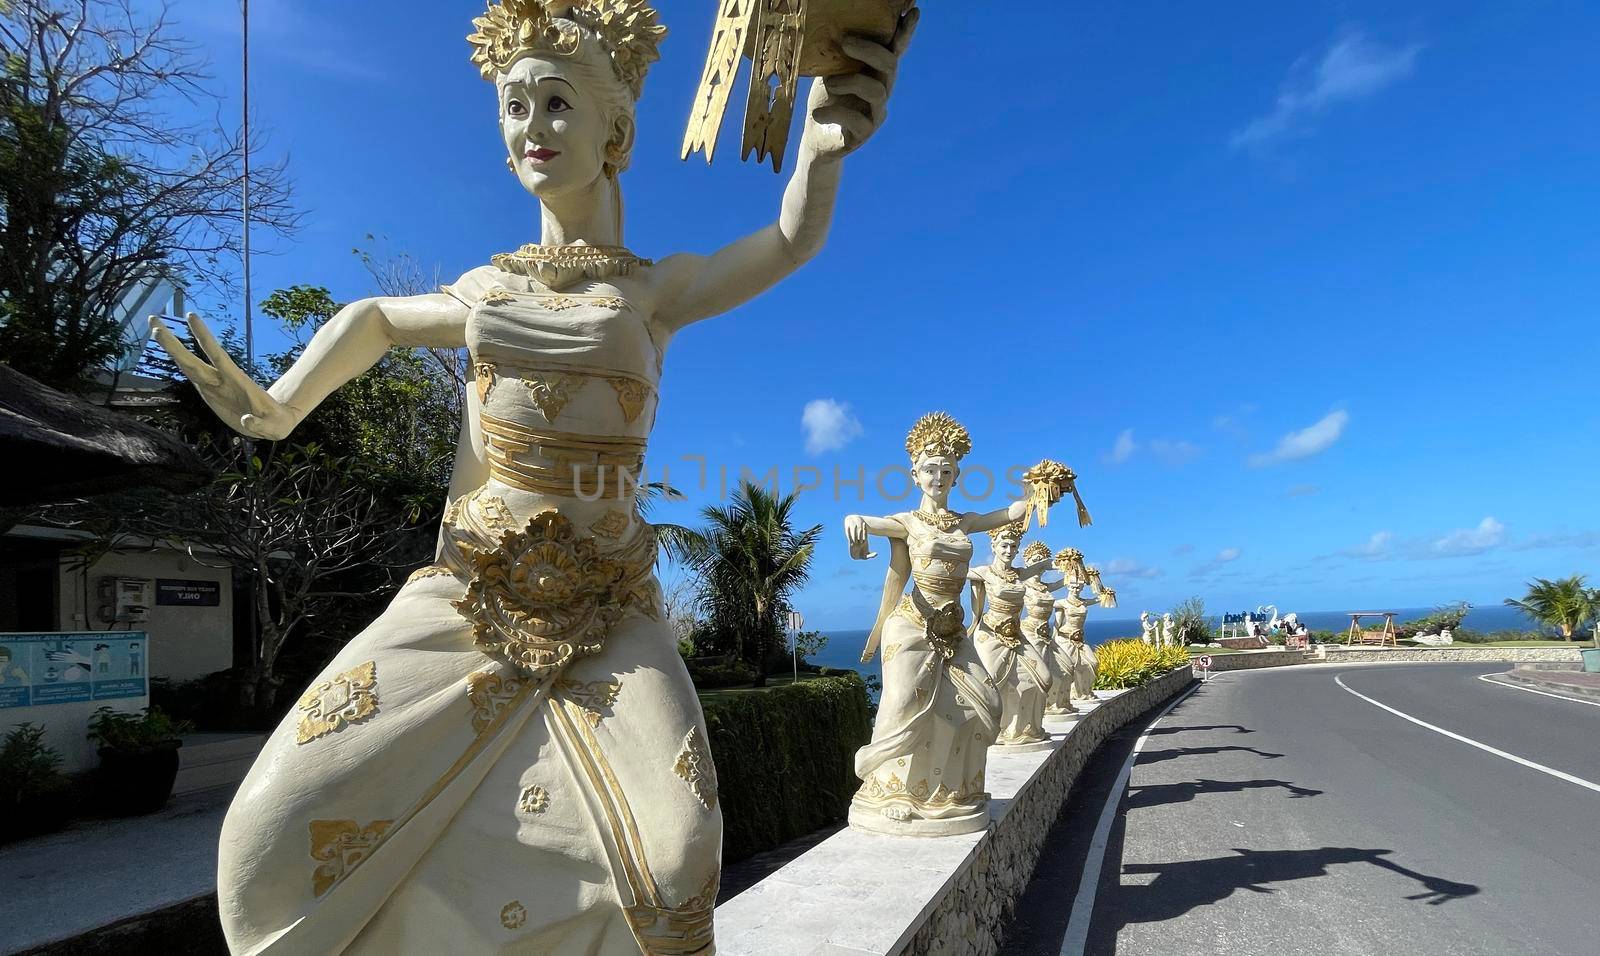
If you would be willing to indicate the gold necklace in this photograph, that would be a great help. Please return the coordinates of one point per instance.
(941, 520)
(559, 266)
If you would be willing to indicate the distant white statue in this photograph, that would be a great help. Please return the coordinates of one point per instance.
(1441, 639)
(1147, 627)
(1169, 631)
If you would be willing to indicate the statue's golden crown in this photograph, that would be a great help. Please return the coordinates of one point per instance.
(630, 30)
(1036, 552)
(1011, 531)
(1069, 559)
(936, 433)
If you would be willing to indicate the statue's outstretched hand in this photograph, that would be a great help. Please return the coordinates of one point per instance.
(855, 534)
(242, 405)
(844, 111)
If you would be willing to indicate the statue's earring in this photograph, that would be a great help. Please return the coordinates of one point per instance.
(616, 160)
(511, 164)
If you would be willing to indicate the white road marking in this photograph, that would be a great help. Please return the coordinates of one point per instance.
(1558, 774)
(1489, 679)
(1077, 935)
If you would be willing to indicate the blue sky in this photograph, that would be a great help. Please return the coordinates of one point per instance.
(1306, 293)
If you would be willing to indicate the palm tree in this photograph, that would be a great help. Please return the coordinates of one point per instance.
(751, 561)
(1563, 604)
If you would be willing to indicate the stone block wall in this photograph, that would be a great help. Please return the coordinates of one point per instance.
(971, 918)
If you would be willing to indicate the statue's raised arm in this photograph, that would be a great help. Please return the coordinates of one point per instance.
(842, 112)
(349, 344)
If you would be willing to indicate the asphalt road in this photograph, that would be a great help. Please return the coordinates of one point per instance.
(1275, 812)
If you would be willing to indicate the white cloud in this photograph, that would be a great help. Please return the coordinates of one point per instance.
(1301, 491)
(1375, 547)
(1174, 453)
(1488, 535)
(1124, 448)
(1224, 557)
(1305, 442)
(1352, 68)
(1129, 568)
(829, 425)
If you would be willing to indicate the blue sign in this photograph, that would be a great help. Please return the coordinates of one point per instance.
(63, 667)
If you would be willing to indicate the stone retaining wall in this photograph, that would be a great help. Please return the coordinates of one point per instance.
(1455, 652)
(1253, 659)
(972, 917)
(867, 893)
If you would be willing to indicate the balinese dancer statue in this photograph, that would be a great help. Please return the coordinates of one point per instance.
(1077, 658)
(1169, 631)
(511, 758)
(1038, 606)
(1147, 628)
(923, 772)
(1015, 667)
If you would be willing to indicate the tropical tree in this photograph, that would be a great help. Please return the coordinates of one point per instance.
(750, 561)
(1190, 623)
(1564, 604)
(101, 187)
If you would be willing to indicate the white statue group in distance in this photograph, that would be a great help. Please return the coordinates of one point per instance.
(1158, 632)
(955, 692)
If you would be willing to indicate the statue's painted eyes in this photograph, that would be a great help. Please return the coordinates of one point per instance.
(516, 108)
(557, 105)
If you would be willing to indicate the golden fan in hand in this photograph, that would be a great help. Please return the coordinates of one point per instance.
(785, 40)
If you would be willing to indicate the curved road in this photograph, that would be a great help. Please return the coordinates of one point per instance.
(1275, 811)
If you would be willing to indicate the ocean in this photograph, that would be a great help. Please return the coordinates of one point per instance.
(844, 647)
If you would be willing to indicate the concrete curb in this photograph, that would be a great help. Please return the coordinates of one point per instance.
(1526, 678)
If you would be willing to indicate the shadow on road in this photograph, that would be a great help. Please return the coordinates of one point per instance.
(1154, 795)
(1179, 887)
(1156, 756)
(1183, 729)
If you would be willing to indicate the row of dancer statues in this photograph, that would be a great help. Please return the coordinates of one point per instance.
(954, 691)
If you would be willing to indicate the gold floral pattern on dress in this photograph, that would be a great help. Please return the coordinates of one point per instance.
(631, 396)
(483, 374)
(595, 697)
(496, 513)
(938, 520)
(498, 296)
(682, 930)
(534, 799)
(944, 627)
(347, 698)
(558, 303)
(611, 524)
(339, 846)
(513, 915)
(489, 693)
(695, 767)
(616, 302)
(543, 596)
(428, 571)
(551, 391)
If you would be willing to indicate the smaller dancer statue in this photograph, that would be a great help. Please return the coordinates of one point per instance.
(1147, 626)
(1077, 657)
(1015, 667)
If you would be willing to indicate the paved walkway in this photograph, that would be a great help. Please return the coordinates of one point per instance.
(100, 871)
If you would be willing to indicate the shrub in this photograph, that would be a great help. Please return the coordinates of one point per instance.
(1130, 663)
(150, 729)
(1444, 617)
(1191, 624)
(34, 795)
(785, 759)
(712, 673)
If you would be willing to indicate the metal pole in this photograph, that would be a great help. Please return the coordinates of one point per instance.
(249, 319)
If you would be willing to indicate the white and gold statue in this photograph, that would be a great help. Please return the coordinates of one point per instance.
(1148, 629)
(1015, 667)
(1076, 657)
(1169, 631)
(923, 772)
(512, 758)
(1038, 606)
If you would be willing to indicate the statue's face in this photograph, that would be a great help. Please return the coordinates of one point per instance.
(555, 134)
(935, 476)
(1005, 550)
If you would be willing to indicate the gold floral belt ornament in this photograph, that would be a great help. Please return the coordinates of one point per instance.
(943, 624)
(541, 595)
(1004, 626)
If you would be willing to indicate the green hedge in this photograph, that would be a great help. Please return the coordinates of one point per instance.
(785, 759)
